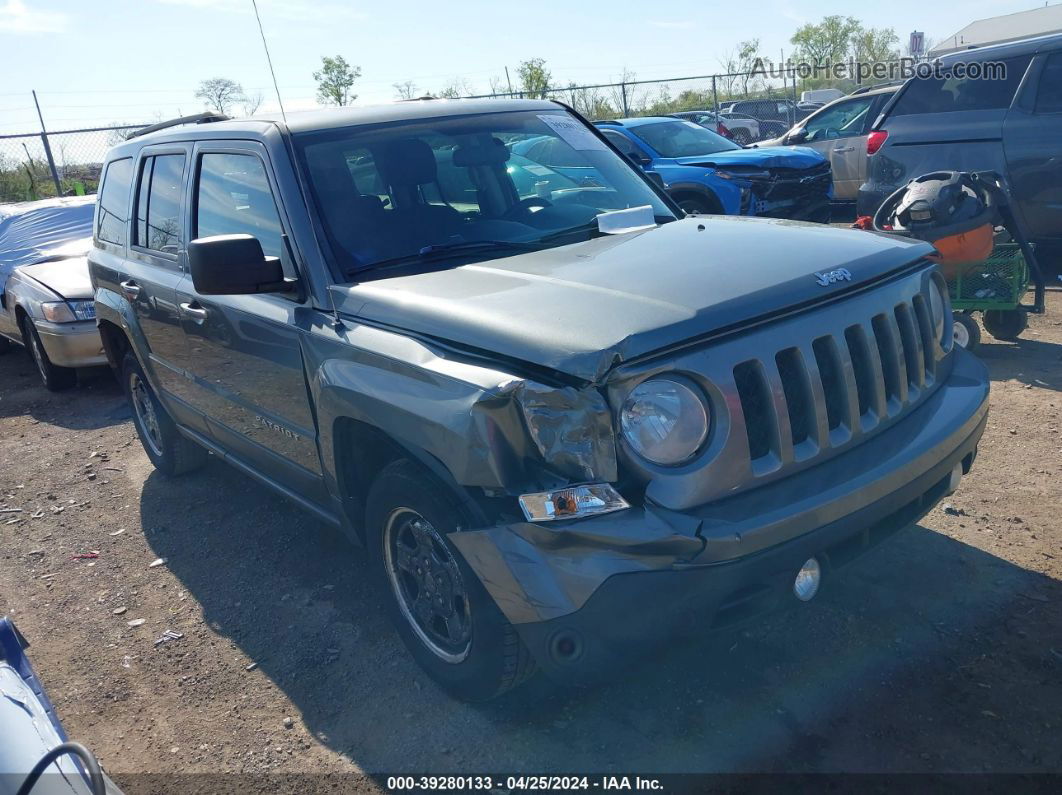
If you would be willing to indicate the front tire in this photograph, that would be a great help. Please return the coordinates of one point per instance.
(742, 138)
(55, 378)
(443, 614)
(695, 205)
(172, 453)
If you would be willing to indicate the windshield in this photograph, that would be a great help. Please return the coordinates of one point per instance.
(393, 191)
(682, 139)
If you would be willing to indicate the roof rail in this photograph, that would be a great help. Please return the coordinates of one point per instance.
(196, 118)
(865, 89)
(607, 121)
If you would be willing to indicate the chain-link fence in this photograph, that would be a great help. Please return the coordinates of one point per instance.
(663, 97)
(66, 163)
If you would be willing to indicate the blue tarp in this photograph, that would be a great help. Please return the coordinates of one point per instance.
(30, 231)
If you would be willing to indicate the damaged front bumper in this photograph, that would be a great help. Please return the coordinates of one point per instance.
(590, 595)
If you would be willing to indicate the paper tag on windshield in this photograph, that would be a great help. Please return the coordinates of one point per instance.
(573, 132)
(632, 219)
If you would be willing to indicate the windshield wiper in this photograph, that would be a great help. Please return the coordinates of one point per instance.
(441, 251)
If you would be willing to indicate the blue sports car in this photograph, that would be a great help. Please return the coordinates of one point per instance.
(705, 173)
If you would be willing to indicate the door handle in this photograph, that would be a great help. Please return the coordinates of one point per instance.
(130, 288)
(197, 313)
(844, 149)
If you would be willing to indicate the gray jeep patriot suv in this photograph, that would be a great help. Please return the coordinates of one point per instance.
(566, 420)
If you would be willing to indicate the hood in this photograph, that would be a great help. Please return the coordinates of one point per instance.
(67, 277)
(583, 308)
(764, 157)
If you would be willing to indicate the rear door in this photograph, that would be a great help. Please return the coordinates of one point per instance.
(152, 266)
(243, 354)
(1032, 139)
(839, 134)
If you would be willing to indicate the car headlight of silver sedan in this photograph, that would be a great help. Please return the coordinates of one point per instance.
(665, 421)
(68, 311)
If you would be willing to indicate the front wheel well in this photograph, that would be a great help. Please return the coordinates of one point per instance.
(115, 343)
(362, 451)
(707, 199)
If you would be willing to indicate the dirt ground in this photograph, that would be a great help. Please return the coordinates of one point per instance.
(941, 652)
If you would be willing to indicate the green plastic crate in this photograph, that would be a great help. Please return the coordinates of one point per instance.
(997, 283)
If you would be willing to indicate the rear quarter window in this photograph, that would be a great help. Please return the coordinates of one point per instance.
(950, 93)
(112, 215)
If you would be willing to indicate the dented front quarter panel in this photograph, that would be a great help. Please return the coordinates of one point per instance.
(489, 428)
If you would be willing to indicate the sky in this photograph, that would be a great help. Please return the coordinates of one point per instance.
(133, 61)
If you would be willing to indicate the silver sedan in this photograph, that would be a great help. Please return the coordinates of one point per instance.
(47, 307)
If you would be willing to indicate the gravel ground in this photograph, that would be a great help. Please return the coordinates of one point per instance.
(941, 652)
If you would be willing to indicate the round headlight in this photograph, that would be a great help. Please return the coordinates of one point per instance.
(938, 307)
(664, 421)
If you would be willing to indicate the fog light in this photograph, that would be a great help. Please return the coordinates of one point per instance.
(806, 584)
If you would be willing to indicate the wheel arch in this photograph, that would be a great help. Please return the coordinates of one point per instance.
(362, 450)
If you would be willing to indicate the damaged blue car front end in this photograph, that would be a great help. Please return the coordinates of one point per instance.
(703, 171)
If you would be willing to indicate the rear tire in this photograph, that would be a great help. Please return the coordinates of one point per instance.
(741, 137)
(171, 452)
(55, 378)
(965, 331)
(1005, 324)
(442, 612)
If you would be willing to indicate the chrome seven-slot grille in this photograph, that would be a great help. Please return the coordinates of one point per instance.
(799, 390)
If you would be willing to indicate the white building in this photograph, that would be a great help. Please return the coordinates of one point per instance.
(996, 30)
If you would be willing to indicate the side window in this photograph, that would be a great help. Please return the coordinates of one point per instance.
(951, 93)
(621, 142)
(158, 217)
(843, 119)
(233, 196)
(1049, 92)
(113, 213)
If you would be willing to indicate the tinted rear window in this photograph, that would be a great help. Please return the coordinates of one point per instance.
(113, 213)
(951, 93)
(1049, 92)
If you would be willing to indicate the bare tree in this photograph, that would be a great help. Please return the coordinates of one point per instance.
(406, 90)
(252, 102)
(220, 94)
(729, 64)
(458, 87)
(498, 86)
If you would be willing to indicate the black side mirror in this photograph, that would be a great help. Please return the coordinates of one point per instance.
(234, 265)
(797, 136)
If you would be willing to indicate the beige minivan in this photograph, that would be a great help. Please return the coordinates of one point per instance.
(839, 131)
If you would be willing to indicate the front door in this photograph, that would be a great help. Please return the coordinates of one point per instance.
(244, 355)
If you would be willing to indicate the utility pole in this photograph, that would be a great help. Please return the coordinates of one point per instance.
(48, 148)
(510, 82)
